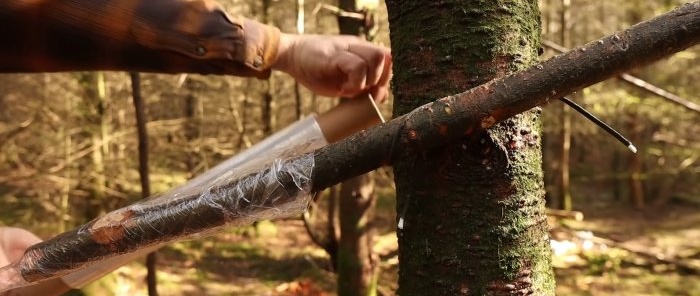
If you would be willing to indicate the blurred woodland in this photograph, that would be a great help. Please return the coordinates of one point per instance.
(69, 153)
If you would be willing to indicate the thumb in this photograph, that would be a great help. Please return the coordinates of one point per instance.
(14, 241)
(353, 72)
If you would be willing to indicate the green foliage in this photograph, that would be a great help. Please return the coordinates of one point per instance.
(600, 263)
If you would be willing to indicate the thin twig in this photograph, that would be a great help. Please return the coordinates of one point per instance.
(337, 11)
(640, 83)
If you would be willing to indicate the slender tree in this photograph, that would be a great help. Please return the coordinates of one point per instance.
(95, 117)
(564, 191)
(141, 119)
(356, 262)
(474, 210)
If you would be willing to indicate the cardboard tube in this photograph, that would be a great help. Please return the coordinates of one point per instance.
(348, 117)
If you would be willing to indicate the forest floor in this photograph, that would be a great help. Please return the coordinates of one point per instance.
(279, 259)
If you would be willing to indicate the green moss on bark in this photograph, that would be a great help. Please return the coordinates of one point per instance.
(475, 222)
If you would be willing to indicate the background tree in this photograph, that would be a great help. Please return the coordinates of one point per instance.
(142, 131)
(356, 261)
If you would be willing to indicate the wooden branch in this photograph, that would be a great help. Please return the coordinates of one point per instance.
(574, 215)
(481, 107)
(153, 224)
(652, 257)
(640, 83)
(660, 92)
(338, 12)
(132, 228)
(7, 134)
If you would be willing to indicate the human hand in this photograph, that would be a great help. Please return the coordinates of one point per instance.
(13, 243)
(336, 65)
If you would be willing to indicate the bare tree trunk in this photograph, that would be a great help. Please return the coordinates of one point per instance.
(141, 120)
(240, 118)
(565, 202)
(268, 106)
(636, 185)
(192, 125)
(297, 87)
(332, 238)
(95, 116)
(267, 117)
(356, 262)
(327, 238)
(64, 131)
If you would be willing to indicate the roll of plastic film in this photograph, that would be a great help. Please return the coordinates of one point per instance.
(303, 136)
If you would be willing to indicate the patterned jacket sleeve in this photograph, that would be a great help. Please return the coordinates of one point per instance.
(166, 36)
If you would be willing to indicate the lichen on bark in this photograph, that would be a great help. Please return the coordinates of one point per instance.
(475, 222)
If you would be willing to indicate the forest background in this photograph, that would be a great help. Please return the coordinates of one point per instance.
(68, 153)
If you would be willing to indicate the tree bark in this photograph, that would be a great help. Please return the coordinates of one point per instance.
(427, 127)
(474, 211)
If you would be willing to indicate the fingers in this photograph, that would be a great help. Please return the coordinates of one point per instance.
(338, 65)
(381, 89)
(367, 67)
(354, 69)
(374, 57)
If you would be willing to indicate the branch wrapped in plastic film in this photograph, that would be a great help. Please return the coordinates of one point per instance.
(278, 189)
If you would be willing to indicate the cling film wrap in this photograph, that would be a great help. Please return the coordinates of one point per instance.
(236, 194)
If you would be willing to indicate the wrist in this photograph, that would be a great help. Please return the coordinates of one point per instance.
(285, 51)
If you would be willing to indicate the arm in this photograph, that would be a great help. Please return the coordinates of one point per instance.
(177, 36)
(167, 36)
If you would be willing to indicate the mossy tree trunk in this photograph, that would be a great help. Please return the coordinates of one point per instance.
(474, 210)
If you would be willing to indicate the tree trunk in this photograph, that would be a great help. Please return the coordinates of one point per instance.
(356, 263)
(95, 100)
(268, 107)
(565, 202)
(474, 210)
(141, 119)
(636, 185)
(297, 87)
(191, 129)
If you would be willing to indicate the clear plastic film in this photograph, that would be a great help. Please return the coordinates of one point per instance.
(269, 181)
